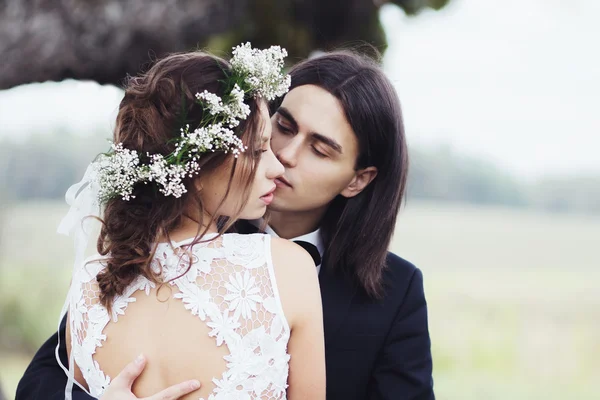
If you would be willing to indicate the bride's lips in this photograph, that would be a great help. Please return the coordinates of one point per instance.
(282, 182)
(267, 198)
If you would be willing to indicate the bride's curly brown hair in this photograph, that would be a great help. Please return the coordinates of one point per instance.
(155, 106)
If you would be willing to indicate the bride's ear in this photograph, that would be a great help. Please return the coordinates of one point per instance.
(361, 180)
(198, 185)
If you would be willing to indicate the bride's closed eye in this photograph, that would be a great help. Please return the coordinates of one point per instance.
(259, 152)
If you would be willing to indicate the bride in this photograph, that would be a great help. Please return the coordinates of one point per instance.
(239, 313)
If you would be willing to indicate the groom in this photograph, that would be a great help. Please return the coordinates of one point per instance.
(339, 135)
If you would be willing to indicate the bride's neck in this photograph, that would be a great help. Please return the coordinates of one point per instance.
(191, 227)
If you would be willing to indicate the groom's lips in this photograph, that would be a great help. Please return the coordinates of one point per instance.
(282, 182)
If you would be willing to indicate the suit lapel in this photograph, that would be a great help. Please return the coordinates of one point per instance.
(336, 295)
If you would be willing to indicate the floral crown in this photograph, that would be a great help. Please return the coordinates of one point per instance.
(254, 73)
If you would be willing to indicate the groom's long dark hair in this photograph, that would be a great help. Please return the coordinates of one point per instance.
(357, 231)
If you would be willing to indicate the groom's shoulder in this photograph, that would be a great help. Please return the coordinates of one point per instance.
(400, 274)
(398, 266)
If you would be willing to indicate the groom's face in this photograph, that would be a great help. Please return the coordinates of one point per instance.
(317, 147)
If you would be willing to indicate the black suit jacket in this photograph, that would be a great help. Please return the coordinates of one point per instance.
(375, 350)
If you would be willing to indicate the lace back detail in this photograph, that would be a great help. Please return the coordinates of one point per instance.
(229, 284)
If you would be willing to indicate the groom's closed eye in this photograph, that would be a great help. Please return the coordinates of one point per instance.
(285, 121)
(288, 125)
(327, 142)
(282, 126)
(287, 116)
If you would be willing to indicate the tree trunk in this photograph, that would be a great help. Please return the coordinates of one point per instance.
(104, 40)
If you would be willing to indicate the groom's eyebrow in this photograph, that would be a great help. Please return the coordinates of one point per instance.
(284, 112)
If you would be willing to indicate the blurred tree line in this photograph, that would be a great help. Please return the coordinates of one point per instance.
(442, 174)
(44, 166)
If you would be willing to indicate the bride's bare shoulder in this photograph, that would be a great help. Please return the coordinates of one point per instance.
(288, 255)
(296, 276)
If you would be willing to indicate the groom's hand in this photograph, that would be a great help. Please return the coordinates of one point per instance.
(120, 387)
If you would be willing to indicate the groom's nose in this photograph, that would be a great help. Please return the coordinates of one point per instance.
(288, 154)
(276, 168)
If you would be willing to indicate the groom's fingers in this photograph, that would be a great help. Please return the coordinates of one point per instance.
(121, 385)
(176, 391)
(130, 373)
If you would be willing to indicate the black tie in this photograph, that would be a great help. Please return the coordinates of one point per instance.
(312, 250)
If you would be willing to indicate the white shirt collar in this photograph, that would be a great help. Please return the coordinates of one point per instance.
(313, 237)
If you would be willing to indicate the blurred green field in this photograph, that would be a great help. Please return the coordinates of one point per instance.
(514, 296)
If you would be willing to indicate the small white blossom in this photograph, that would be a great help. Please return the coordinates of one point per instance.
(262, 69)
(213, 138)
(118, 172)
(233, 112)
(168, 176)
(214, 104)
(237, 108)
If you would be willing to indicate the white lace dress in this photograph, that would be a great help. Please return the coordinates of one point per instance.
(247, 316)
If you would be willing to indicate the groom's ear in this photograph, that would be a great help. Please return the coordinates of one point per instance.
(361, 180)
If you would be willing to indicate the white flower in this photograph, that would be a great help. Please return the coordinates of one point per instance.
(261, 360)
(243, 250)
(223, 327)
(230, 388)
(243, 295)
(178, 263)
(275, 366)
(119, 305)
(262, 69)
(174, 265)
(237, 109)
(77, 309)
(117, 173)
(276, 327)
(233, 111)
(98, 313)
(142, 283)
(194, 299)
(214, 104)
(270, 304)
(91, 341)
(241, 362)
(204, 259)
(258, 73)
(168, 176)
(99, 382)
(213, 138)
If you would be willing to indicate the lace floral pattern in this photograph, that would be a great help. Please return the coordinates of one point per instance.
(246, 316)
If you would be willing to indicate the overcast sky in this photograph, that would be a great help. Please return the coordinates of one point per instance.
(516, 82)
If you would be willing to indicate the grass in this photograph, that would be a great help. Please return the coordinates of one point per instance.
(514, 305)
(513, 300)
